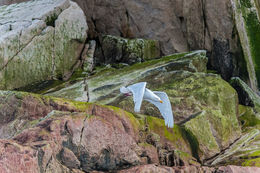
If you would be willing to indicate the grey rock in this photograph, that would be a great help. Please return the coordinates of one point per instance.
(88, 56)
(39, 40)
(104, 87)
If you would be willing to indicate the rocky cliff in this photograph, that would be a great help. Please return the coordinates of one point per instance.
(73, 117)
(179, 26)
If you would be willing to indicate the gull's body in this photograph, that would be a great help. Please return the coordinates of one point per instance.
(159, 99)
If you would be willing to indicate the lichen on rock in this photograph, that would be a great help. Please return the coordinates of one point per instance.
(117, 49)
(248, 26)
(105, 91)
(40, 40)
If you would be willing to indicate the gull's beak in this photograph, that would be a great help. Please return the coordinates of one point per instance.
(161, 101)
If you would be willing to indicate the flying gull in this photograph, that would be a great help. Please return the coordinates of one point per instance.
(159, 99)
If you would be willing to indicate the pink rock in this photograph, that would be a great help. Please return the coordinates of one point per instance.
(238, 169)
(17, 158)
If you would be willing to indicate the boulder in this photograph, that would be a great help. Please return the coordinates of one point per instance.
(121, 50)
(62, 135)
(246, 95)
(103, 87)
(248, 25)
(81, 141)
(40, 40)
(197, 98)
(245, 151)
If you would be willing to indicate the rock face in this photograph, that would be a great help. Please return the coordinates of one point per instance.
(62, 135)
(246, 95)
(193, 169)
(248, 25)
(180, 26)
(245, 151)
(39, 40)
(197, 98)
(105, 91)
(117, 49)
(49, 134)
(67, 136)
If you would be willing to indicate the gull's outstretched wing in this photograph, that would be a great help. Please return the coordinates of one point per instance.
(138, 94)
(165, 108)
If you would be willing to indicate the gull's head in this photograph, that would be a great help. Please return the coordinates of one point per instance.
(126, 91)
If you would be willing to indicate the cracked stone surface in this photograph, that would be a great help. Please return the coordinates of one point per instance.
(179, 25)
(39, 40)
(59, 135)
(204, 104)
(106, 91)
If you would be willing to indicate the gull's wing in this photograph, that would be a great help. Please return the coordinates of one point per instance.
(165, 108)
(138, 94)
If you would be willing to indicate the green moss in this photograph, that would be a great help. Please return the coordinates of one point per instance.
(194, 144)
(141, 49)
(246, 3)
(41, 87)
(248, 117)
(143, 144)
(248, 26)
(203, 135)
(151, 50)
(186, 157)
(255, 154)
(81, 106)
(221, 124)
(253, 28)
(130, 71)
(176, 135)
(252, 162)
(158, 126)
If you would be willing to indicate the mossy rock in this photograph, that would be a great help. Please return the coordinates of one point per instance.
(205, 104)
(21, 111)
(175, 136)
(103, 87)
(244, 151)
(130, 51)
(246, 95)
(191, 92)
(27, 51)
(248, 117)
(248, 26)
